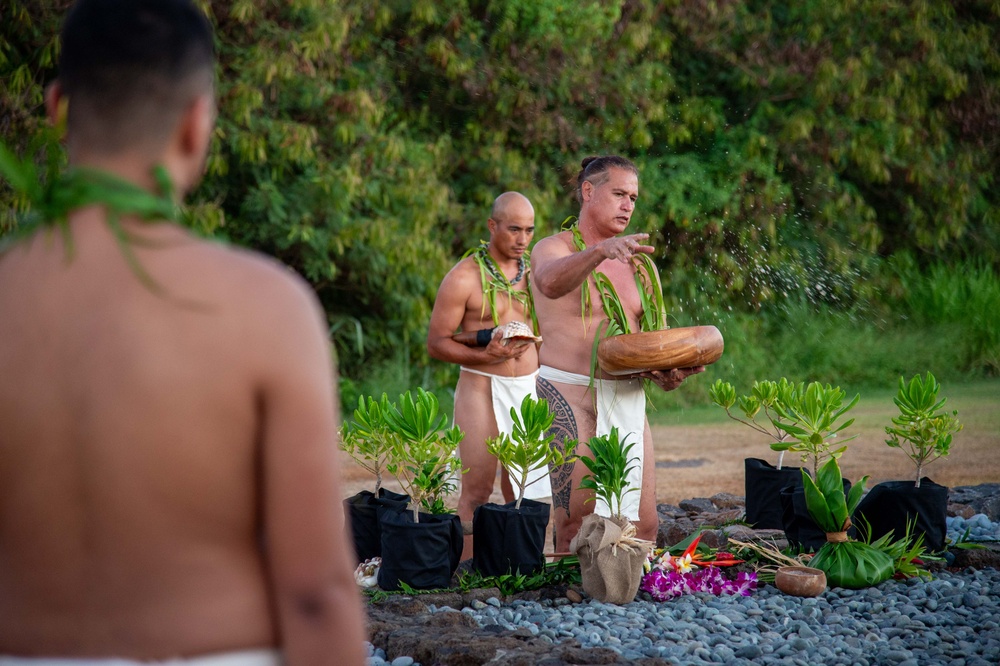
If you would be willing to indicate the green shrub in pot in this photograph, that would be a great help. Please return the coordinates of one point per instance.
(510, 538)
(424, 454)
(923, 430)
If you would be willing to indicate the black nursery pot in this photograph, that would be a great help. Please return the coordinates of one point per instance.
(890, 504)
(363, 515)
(800, 529)
(508, 540)
(423, 555)
(763, 487)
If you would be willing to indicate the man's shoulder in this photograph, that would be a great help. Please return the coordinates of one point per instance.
(560, 242)
(463, 275)
(258, 280)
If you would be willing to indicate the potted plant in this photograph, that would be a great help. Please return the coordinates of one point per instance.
(762, 481)
(510, 538)
(923, 431)
(813, 421)
(611, 558)
(421, 549)
(369, 441)
(846, 562)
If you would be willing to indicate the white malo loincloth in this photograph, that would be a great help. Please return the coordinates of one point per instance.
(241, 658)
(621, 403)
(509, 392)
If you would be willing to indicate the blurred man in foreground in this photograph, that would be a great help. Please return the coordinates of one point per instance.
(168, 474)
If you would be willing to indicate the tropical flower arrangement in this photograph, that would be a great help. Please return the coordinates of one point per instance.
(668, 575)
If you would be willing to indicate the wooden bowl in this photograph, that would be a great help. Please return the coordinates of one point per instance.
(659, 350)
(800, 581)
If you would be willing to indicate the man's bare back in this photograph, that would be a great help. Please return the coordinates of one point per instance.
(128, 444)
(168, 466)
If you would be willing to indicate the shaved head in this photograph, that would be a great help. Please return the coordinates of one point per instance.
(508, 204)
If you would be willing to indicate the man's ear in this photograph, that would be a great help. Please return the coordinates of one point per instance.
(195, 131)
(491, 224)
(587, 189)
(56, 104)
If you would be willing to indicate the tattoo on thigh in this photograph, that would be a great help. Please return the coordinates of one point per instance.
(563, 427)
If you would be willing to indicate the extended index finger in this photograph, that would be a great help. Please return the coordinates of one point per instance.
(645, 249)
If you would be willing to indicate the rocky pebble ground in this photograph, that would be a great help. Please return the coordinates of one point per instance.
(952, 619)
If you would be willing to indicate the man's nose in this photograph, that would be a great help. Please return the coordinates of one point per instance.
(628, 204)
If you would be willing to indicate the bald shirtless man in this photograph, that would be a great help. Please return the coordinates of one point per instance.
(494, 376)
(607, 188)
(168, 468)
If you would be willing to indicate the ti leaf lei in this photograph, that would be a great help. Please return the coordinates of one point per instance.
(647, 282)
(494, 282)
(50, 201)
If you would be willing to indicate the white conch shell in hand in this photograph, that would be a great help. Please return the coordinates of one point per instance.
(515, 332)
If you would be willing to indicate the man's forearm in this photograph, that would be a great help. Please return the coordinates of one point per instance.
(479, 338)
(450, 350)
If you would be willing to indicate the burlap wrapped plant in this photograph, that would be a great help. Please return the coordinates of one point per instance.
(611, 557)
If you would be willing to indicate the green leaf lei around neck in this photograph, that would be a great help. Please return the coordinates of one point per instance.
(654, 316)
(647, 282)
(494, 282)
(49, 203)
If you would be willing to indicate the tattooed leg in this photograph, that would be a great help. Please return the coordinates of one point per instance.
(564, 428)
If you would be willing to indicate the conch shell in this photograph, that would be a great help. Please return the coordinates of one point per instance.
(515, 332)
(366, 574)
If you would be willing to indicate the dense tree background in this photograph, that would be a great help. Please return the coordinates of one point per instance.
(788, 151)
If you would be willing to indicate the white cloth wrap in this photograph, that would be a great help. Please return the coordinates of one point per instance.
(241, 658)
(621, 403)
(508, 392)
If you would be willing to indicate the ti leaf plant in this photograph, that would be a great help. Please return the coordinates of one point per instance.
(761, 401)
(924, 430)
(812, 422)
(368, 439)
(527, 448)
(424, 454)
(609, 465)
(847, 563)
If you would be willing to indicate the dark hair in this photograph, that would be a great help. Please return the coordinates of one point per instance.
(130, 67)
(595, 170)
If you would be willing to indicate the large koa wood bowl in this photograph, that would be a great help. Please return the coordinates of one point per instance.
(670, 348)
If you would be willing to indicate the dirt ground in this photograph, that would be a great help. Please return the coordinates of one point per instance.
(702, 460)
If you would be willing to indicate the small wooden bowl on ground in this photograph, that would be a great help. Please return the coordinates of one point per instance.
(670, 348)
(800, 581)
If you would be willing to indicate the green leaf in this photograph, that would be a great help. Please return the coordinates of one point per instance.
(817, 504)
(853, 564)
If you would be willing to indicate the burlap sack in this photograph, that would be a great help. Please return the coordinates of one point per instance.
(611, 558)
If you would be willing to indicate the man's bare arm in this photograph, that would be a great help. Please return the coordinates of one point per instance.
(317, 601)
(446, 317)
(556, 270)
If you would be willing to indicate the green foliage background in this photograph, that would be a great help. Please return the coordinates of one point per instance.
(810, 160)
